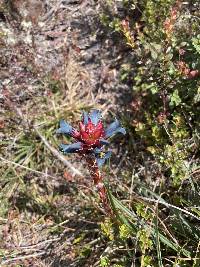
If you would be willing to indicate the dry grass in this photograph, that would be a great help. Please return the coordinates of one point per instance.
(39, 192)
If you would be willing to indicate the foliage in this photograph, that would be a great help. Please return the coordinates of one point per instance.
(53, 215)
(162, 70)
(165, 82)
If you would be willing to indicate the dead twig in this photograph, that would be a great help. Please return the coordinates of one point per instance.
(52, 149)
(52, 11)
(22, 258)
(40, 243)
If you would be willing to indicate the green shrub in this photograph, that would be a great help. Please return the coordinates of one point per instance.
(162, 71)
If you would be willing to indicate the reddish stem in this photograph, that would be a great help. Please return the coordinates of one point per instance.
(98, 182)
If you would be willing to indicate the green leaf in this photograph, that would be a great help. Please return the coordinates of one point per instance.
(175, 99)
(158, 241)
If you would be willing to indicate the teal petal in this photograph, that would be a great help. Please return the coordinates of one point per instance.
(65, 128)
(72, 148)
(102, 159)
(104, 142)
(95, 116)
(114, 128)
(85, 117)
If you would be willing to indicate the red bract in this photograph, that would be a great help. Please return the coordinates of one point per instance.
(91, 136)
(91, 133)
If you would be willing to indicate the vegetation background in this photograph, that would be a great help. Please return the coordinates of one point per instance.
(138, 60)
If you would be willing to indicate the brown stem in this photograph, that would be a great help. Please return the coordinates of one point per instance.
(98, 182)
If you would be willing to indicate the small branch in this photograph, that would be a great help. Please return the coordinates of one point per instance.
(40, 243)
(120, 163)
(52, 11)
(22, 258)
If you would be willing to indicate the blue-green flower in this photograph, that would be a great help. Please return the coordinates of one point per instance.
(91, 136)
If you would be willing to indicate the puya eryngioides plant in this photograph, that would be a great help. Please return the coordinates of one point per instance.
(92, 142)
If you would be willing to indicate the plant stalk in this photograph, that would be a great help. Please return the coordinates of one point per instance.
(98, 182)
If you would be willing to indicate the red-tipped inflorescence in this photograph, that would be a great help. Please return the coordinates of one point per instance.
(90, 141)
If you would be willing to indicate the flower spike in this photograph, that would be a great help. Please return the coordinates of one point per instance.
(91, 135)
(91, 140)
